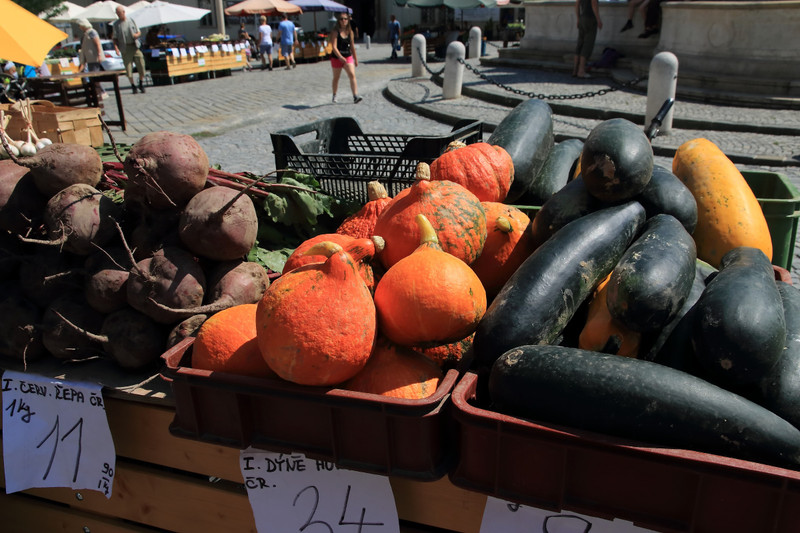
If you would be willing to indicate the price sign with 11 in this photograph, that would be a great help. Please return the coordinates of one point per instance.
(292, 493)
(55, 434)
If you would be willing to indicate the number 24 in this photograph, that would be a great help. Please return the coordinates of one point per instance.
(310, 521)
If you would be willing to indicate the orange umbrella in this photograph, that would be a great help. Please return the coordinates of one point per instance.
(24, 37)
(262, 7)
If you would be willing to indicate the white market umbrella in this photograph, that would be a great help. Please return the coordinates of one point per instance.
(321, 5)
(67, 11)
(137, 5)
(101, 11)
(159, 12)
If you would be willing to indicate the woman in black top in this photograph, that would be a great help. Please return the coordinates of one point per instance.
(344, 55)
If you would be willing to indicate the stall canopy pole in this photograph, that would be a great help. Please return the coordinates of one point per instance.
(220, 18)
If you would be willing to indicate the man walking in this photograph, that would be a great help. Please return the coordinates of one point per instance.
(394, 35)
(287, 34)
(125, 35)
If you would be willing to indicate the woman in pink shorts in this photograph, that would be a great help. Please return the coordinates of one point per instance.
(344, 55)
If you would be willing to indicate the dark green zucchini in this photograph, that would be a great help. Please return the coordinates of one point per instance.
(616, 161)
(739, 331)
(526, 133)
(555, 172)
(540, 298)
(653, 277)
(665, 193)
(638, 400)
(571, 202)
(780, 388)
(672, 344)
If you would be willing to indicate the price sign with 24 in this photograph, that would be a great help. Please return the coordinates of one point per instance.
(55, 434)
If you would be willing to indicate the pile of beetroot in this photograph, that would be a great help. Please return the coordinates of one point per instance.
(91, 269)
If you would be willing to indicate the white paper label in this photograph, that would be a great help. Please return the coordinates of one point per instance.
(175, 52)
(155, 53)
(184, 53)
(64, 62)
(500, 515)
(55, 434)
(214, 48)
(290, 492)
(238, 58)
(192, 51)
(237, 47)
(201, 61)
(76, 61)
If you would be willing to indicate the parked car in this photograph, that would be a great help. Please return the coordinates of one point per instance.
(111, 60)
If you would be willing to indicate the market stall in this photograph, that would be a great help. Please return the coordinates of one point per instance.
(207, 59)
(499, 396)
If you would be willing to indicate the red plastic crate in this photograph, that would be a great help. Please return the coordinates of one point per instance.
(366, 432)
(663, 489)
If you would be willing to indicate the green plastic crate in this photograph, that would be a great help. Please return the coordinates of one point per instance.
(780, 202)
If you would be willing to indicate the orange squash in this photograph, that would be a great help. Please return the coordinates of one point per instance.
(728, 213)
(507, 245)
(226, 342)
(602, 332)
(447, 355)
(397, 372)
(455, 213)
(316, 325)
(363, 251)
(361, 224)
(429, 297)
(486, 170)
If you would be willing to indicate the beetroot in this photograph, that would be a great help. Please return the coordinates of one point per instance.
(165, 170)
(219, 223)
(185, 328)
(60, 165)
(49, 273)
(171, 278)
(21, 203)
(152, 231)
(106, 280)
(230, 283)
(80, 218)
(20, 335)
(59, 333)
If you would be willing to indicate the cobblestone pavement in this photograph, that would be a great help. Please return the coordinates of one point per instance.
(232, 116)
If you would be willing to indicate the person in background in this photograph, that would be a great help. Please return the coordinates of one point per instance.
(90, 53)
(125, 34)
(287, 34)
(245, 36)
(265, 43)
(152, 40)
(394, 35)
(10, 70)
(588, 14)
(344, 55)
(632, 5)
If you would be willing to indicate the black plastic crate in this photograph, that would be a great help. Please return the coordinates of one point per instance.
(343, 158)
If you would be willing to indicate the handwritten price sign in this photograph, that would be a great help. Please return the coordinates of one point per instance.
(500, 515)
(291, 493)
(55, 434)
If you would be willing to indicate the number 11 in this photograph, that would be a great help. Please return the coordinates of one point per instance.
(55, 429)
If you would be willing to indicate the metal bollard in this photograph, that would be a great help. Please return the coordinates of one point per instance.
(453, 70)
(418, 51)
(661, 85)
(366, 41)
(474, 42)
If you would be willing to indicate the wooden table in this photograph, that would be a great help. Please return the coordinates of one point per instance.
(56, 89)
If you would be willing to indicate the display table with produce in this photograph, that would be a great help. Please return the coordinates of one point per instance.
(205, 58)
(621, 359)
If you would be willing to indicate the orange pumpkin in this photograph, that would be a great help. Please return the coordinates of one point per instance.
(429, 297)
(397, 372)
(728, 213)
(507, 245)
(362, 251)
(447, 355)
(455, 213)
(362, 223)
(226, 342)
(486, 170)
(604, 333)
(316, 325)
